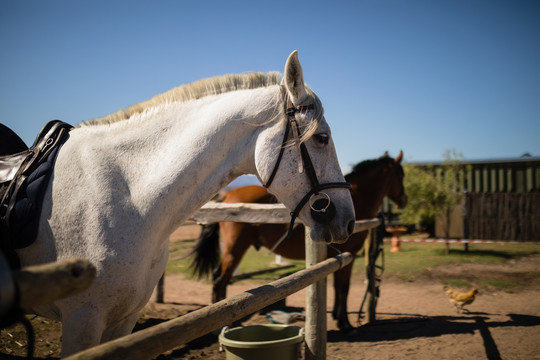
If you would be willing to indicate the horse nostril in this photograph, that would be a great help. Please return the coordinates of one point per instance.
(350, 227)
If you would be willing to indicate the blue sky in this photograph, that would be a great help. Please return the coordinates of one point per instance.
(422, 76)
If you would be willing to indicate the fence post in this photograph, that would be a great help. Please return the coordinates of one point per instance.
(315, 331)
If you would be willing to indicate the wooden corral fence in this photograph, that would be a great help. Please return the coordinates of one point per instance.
(502, 216)
(153, 341)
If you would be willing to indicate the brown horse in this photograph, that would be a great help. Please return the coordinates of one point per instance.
(371, 181)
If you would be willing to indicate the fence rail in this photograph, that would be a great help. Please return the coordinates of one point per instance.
(151, 342)
(213, 212)
(43, 284)
(166, 336)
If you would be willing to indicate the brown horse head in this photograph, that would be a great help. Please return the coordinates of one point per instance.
(372, 180)
(396, 191)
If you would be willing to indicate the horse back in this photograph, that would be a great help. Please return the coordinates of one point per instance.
(250, 194)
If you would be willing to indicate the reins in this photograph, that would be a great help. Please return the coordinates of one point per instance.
(322, 208)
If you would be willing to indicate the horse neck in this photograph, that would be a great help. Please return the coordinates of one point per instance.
(368, 194)
(175, 158)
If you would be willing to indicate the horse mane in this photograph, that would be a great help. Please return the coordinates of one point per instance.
(367, 165)
(195, 90)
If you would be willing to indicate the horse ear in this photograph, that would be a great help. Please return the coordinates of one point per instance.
(294, 79)
(399, 157)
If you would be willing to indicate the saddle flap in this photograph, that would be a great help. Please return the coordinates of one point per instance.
(10, 164)
(27, 175)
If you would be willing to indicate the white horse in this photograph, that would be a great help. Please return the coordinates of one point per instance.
(122, 184)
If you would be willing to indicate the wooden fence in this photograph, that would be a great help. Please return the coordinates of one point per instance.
(151, 342)
(502, 216)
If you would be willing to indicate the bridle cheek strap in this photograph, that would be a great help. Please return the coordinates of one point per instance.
(322, 209)
(274, 172)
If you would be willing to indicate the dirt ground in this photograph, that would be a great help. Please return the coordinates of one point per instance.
(415, 320)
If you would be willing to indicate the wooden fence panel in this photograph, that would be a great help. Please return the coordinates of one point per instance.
(503, 216)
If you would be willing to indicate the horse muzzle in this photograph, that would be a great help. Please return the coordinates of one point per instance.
(322, 208)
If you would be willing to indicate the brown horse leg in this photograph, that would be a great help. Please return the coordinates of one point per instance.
(237, 239)
(342, 280)
(219, 284)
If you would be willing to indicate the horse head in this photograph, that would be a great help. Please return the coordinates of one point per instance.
(396, 192)
(297, 162)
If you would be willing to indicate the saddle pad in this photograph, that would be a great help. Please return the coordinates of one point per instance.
(24, 218)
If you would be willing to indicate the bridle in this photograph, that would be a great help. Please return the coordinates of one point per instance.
(322, 208)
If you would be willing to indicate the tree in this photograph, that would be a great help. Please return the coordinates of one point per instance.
(452, 180)
(421, 189)
(433, 190)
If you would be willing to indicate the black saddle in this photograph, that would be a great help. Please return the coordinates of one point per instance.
(11, 143)
(24, 172)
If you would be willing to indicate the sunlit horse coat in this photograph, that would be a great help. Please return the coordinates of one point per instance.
(122, 184)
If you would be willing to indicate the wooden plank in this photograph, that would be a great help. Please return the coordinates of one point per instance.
(43, 284)
(315, 329)
(361, 225)
(155, 340)
(247, 275)
(213, 212)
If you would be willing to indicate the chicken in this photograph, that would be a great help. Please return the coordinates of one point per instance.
(460, 299)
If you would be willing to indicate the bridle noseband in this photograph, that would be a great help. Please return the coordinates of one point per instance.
(322, 208)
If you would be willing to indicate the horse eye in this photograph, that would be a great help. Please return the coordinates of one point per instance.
(322, 138)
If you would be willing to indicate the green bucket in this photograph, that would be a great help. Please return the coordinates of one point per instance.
(262, 342)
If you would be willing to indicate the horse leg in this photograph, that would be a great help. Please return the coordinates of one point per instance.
(342, 279)
(237, 239)
(121, 328)
(81, 330)
(219, 286)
